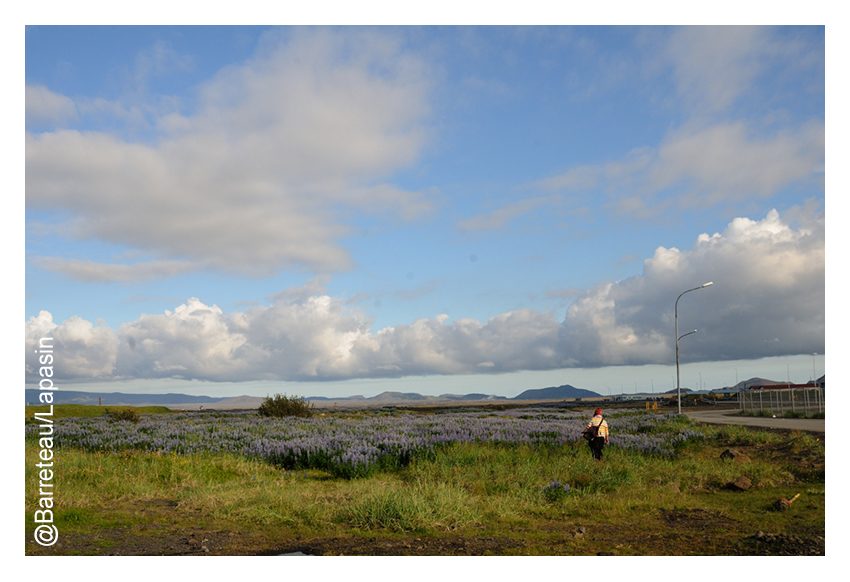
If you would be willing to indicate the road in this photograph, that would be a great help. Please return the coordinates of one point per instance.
(731, 416)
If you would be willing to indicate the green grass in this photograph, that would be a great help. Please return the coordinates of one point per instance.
(765, 413)
(86, 410)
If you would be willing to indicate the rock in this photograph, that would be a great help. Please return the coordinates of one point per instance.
(742, 483)
(782, 504)
(582, 530)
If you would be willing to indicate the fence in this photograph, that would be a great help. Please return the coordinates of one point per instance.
(807, 400)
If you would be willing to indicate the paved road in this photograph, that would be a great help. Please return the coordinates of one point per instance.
(727, 416)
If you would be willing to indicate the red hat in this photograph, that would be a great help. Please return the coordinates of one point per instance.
(597, 411)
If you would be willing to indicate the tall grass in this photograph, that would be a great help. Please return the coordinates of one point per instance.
(414, 508)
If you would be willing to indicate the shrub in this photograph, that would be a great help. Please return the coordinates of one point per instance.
(280, 406)
(127, 414)
(555, 491)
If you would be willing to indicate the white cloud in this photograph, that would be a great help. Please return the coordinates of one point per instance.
(716, 69)
(90, 271)
(767, 300)
(720, 149)
(714, 65)
(251, 180)
(721, 163)
(726, 162)
(193, 341)
(81, 349)
(45, 106)
(769, 282)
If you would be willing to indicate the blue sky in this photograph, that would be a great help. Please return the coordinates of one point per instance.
(244, 210)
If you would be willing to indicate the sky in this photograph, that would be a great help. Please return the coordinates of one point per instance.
(348, 210)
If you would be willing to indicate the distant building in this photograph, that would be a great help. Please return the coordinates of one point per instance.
(787, 386)
(638, 396)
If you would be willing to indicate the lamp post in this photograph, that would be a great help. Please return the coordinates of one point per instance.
(814, 374)
(678, 337)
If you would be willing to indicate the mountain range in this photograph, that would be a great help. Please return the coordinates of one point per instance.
(185, 401)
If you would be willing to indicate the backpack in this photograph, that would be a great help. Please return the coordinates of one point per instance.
(592, 431)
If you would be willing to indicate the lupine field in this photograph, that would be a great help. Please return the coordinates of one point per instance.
(356, 445)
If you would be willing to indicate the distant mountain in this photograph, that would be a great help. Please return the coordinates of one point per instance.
(185, 401)
(120, 399)
(400, 397)
(328, 398)
(556, 393)
(474, 396)
(756, 382)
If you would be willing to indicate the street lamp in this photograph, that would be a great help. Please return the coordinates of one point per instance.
(678, 337)
(814, 374)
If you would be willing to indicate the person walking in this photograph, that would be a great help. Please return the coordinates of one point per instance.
(596, 434)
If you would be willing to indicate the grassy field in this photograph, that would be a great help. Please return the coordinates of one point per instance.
(89, 411)
(465, 499)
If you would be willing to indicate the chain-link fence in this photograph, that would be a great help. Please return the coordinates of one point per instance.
(806, 400)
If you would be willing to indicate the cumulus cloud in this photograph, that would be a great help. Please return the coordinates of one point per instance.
(767, 300)
(254, 179)
(81, 349)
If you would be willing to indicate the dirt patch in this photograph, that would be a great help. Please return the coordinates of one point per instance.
(768, 544)
(693, 531)
(148, 541)
(202, 542)
(695, 519)
(408, 546)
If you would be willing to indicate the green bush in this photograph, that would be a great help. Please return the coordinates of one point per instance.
(280, 406)
(555, 491)
(126, 414)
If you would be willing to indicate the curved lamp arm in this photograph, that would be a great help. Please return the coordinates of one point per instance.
(678, 337)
